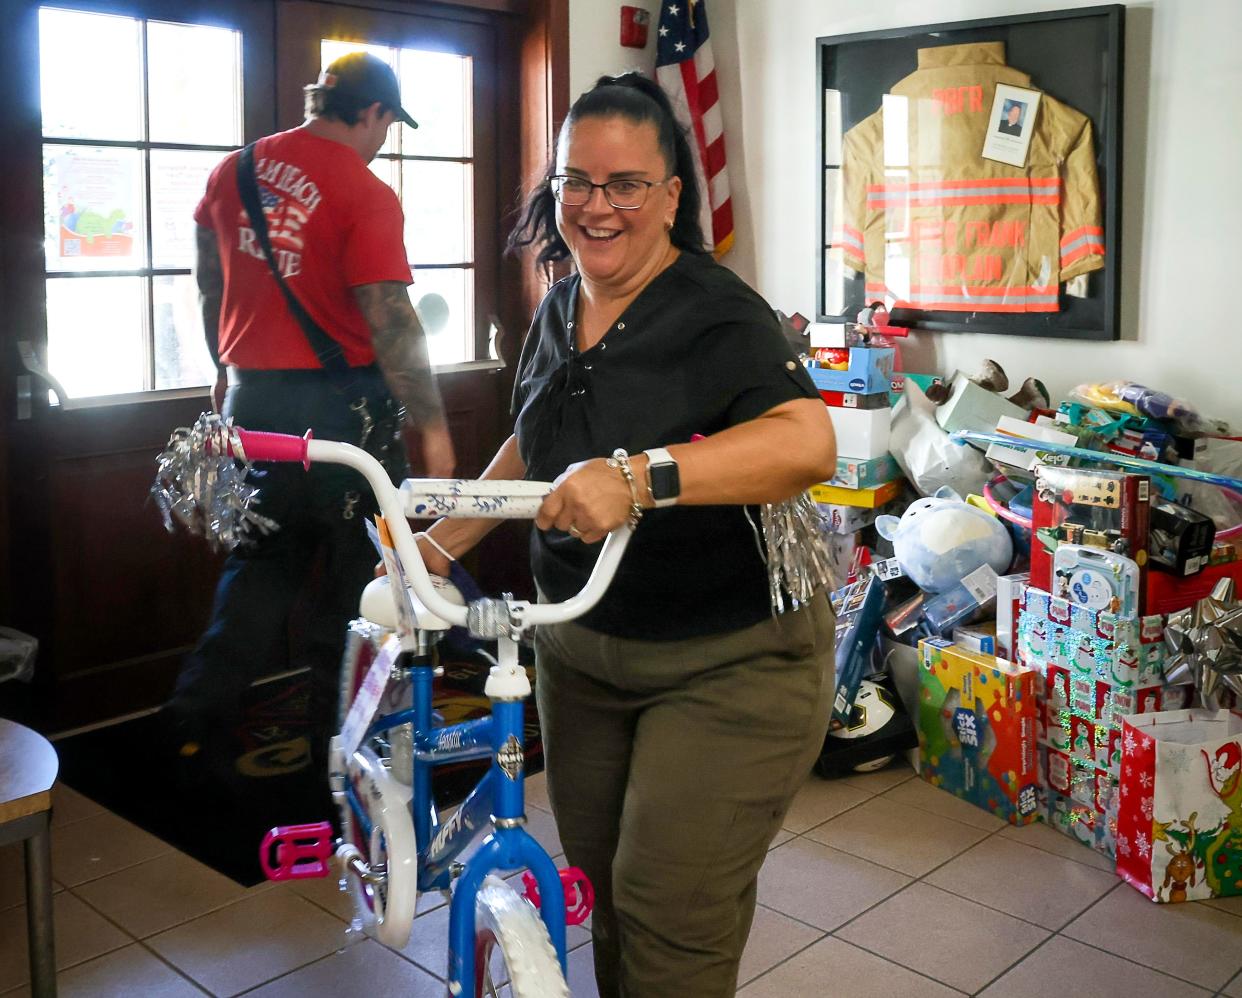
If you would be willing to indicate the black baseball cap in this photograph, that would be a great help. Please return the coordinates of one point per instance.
(363, 76)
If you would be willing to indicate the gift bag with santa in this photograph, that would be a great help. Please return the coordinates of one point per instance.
(1179, 823)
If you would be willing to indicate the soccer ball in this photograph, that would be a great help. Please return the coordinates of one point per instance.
(873, 709)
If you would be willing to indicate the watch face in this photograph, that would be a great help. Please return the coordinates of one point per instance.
(665, 481)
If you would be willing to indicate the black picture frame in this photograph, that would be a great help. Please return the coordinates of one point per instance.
(1076, 56)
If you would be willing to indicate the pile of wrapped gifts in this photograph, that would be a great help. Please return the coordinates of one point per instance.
(1063, 583)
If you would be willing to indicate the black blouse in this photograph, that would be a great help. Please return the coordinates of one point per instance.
(696, 352)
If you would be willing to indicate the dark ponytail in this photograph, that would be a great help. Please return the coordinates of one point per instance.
(637, 99)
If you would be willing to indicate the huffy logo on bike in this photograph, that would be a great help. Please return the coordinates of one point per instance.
(509, 758)
(449, 740)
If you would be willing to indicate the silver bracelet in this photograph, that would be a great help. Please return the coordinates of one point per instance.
(621, 461)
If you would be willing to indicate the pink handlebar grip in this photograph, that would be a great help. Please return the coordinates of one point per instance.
(260, 446)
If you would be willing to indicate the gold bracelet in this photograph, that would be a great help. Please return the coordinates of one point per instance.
(621, 460)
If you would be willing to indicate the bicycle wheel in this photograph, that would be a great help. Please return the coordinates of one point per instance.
(385, 905)
(511, 945)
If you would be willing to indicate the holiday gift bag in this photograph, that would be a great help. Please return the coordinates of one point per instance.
(1179, 820)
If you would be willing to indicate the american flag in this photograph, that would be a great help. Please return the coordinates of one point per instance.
(686, 72)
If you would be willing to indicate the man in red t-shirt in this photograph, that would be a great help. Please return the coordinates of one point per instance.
(335, 231)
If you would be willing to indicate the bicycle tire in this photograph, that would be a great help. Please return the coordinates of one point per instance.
(385, 911)
(504, 921)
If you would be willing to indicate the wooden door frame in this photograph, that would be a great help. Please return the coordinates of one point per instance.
(534, 53)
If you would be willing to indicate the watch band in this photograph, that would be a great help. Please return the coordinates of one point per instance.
(664, 486)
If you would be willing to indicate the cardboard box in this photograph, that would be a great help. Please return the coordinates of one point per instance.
(865, 498)
(973, 408)
(838, 519)
(852, 400)
(869, 373)
(862, 433)
(1023, 459)
(977, 729)
(855, 474)
(897, 387)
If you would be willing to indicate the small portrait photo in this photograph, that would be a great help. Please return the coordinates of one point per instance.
(1011, 124)
(1013, 117)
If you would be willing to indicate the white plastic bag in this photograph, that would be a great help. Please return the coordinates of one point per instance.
(926, 454)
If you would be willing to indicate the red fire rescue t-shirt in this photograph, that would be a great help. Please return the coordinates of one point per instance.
(333, 226)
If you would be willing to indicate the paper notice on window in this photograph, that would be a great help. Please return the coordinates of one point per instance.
(1011, 125)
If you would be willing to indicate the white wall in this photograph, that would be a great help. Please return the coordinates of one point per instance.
(594, 42)
(1182, 178)
(1182, 201)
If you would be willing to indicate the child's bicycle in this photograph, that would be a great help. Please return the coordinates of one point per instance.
(393, 845)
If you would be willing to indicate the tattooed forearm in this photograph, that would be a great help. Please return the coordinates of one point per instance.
(401, 350)
(210, 280)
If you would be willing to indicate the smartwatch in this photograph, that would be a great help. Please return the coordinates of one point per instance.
(663, 480)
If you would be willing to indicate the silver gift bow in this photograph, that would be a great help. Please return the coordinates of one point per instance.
(1205, 645)
(200, 481)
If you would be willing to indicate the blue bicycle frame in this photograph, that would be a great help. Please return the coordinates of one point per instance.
(498, 800)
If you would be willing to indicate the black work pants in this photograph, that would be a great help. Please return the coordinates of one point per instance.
(309, 573)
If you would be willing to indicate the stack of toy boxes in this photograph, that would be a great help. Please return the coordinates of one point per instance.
(1096, 668)
(977, 729)
(854, 384)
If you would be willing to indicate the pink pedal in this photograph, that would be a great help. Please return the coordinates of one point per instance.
(302, 852)
(579, 894)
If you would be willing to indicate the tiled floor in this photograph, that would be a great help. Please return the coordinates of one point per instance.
(879, 885)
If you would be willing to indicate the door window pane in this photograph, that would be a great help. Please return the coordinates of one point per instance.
(96, 341)
(448, 321)
(181, 357)
(90, 68)
(435, 89)
(178, 180)
(389, 171)
(92, 204)
(439, 221)
(194, 84)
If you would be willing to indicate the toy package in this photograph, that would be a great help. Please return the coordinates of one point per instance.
(868, 498)
(861, 370)
(859, 608)
(1106, 510)
(854, 474)
(977, 732)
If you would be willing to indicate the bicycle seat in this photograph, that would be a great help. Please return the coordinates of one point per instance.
(377, 604)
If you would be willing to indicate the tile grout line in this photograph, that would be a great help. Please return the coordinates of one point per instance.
(133, 940)
(1145, 966)
(896, 963)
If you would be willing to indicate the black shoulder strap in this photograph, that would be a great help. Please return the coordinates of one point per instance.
(329, 351)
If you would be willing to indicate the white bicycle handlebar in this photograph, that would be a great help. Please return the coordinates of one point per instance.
(429, 498)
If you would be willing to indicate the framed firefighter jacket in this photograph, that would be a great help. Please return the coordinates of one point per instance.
(971, 175)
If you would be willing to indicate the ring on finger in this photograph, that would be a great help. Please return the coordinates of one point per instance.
(574, 531)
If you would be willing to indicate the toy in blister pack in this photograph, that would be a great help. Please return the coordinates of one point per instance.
(1096, 579)
(1105, 510)
(859, 609)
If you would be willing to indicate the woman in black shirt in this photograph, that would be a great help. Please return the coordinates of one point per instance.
(681, 714)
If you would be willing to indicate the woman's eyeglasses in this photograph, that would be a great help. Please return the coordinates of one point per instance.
(624, 194)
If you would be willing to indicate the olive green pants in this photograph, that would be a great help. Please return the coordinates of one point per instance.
(670, 768)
